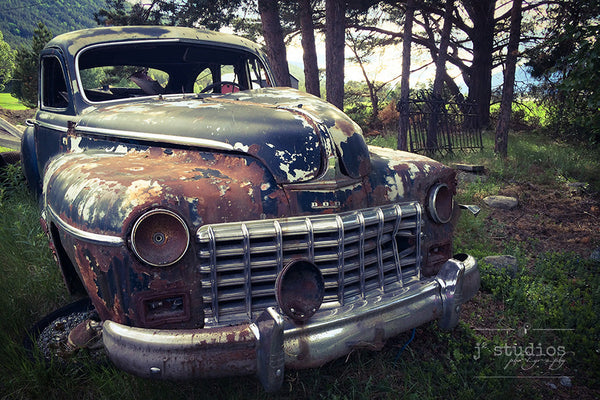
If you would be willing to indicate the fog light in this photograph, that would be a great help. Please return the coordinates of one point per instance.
(160, 237)
(441, 203)
(300, 289)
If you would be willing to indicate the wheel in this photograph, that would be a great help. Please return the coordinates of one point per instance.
(9, 158)
(49, 337)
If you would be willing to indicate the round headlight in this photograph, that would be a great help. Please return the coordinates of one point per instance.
(441, 203)
(160, 238)
(300, 289)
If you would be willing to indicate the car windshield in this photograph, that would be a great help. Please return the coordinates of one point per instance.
(117, 71)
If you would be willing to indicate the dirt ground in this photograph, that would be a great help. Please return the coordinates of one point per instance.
(548, 219)
(562, 219)
(16, 116)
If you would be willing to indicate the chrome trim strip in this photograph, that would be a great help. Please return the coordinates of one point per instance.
(340, 254)
(213, 273)
(279, 241)
(95, 238)
(361, 252)
(157, 137)
(247, 270)
(381, 221)
(46, 125)
(310, 239)
(419, 253)
(399, 218)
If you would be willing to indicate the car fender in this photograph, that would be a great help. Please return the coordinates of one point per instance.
(29, 161)
(100, 193)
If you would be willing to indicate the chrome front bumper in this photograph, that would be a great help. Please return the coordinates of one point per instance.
(270, 343)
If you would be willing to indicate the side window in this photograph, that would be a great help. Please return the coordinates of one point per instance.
(108, 82)
(54, 87)
(232, 76)
(258, 75)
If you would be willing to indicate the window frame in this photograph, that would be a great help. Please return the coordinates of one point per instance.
(46, 81)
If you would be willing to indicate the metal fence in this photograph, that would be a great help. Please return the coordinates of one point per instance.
(439, 126)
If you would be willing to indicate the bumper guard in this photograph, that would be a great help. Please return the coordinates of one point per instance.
(265, 346)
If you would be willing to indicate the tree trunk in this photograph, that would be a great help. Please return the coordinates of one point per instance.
(273, 34)
(479, 80)
(311, 67)
(438, 83)
(501, 145)
(403, 106)
(335, 24)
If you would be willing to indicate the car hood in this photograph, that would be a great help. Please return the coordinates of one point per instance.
(289, 131)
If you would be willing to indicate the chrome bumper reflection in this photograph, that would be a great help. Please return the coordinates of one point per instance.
(264, 346)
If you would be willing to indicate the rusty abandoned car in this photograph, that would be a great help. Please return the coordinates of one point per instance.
(221, 225)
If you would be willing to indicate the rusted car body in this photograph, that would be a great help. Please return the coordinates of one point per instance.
(222, 225)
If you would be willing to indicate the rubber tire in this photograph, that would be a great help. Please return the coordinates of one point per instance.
(9, 158)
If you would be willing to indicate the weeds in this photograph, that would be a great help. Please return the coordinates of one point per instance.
(533, 157)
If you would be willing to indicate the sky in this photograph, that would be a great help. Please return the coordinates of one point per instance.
(385, 65)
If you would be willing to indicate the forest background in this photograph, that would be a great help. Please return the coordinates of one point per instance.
(462, 43)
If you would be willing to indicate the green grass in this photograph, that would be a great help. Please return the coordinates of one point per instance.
(560, 291)
(9, 102)
(530, 112)
(536, 158)
(532, 157)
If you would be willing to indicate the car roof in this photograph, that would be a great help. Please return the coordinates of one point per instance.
(72, 42)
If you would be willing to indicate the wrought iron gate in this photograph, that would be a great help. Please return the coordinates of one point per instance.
(439, 126)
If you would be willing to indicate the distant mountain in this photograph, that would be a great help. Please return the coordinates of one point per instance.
(19, 18)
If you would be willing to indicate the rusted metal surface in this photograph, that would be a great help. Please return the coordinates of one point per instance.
(181, 214)
(329, 335)
(407, 175)
(202, 188)
(103, 193)
(177, 354)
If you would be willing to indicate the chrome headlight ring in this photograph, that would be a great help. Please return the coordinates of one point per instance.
(160, 237)
(441, 203)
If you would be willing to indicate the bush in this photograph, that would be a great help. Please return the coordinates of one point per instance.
(389, 117)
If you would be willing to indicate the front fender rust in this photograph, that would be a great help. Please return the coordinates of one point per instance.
(102, 193)
(405, 175)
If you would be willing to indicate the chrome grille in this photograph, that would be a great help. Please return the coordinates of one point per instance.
(359, 253)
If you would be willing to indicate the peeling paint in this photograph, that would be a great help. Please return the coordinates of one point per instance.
(140, 191)
(239, 165)
(74, 145)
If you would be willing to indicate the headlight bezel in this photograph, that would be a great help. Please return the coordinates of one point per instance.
(159, 237)
(441, 203)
